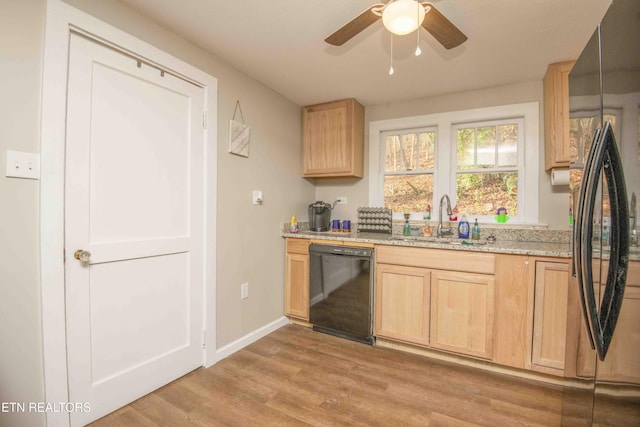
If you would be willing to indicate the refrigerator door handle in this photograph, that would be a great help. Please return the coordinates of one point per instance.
(602, 322)
(580, 245)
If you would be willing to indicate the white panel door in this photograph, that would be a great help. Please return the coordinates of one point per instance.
(134, 201)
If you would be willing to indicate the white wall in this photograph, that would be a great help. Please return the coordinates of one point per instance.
(21, 371)
(553, 204)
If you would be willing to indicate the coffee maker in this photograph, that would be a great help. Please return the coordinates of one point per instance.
(319, 216)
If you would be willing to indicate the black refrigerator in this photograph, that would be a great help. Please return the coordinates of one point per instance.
(604, 115)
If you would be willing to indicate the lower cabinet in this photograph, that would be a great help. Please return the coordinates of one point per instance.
(296, 289)
(418, 302)
(462, 307)
(513, 310)
(551, 298)
(401, 298)
(512, 329)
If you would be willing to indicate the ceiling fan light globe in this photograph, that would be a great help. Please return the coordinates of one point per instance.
(403, 16)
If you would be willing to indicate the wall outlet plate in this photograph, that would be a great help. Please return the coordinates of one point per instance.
(342, 200)
(244, 291)
(23, 165)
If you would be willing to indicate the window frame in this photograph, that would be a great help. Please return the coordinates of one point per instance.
(445, 158)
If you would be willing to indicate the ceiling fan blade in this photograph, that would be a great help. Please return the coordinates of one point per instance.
(442, 29)
(353, 27)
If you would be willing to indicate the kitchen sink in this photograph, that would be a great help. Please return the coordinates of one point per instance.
(441, 240)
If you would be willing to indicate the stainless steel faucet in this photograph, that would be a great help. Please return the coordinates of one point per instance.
(444, 230)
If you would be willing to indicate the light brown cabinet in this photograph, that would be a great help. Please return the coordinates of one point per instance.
(462, 309)
(333, 139)
(402, 296)
(435, 298)
(556, 115)
(296, 289)
(513, 311)
(551, 300)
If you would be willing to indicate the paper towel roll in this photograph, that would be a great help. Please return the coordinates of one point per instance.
(559, 177)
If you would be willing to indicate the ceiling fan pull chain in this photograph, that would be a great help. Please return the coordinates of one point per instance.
(418, 51)
(391, 56)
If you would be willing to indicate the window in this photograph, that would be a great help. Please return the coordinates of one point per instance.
(487, 167)
(476, 157)
(408, 169)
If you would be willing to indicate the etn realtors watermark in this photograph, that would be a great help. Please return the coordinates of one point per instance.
(34, 407)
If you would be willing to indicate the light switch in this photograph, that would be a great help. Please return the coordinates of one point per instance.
(23, 165)
(257, 197)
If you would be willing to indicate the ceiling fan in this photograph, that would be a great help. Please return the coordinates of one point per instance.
(394, 14)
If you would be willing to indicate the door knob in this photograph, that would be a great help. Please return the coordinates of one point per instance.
(82, 256)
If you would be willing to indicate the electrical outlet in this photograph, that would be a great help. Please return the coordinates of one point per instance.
(342, 200)
(244, 291)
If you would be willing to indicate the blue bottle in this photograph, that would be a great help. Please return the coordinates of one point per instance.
(463, 228)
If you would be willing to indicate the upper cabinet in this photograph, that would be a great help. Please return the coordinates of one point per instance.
(333, 140)
(556, 115)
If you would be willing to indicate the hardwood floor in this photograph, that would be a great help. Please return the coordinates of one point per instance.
(298, 377)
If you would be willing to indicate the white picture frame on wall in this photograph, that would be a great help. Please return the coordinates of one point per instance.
(239, 137)
(239, 134)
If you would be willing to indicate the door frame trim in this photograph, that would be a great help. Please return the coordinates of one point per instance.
(60, 19)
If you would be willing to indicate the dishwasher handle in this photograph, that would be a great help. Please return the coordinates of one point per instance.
(340, 250)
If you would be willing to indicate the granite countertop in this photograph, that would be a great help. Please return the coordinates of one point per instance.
(518, 247)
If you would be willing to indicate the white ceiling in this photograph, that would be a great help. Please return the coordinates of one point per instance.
(281, 44)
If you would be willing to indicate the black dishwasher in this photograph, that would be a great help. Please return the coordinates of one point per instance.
(340, 291)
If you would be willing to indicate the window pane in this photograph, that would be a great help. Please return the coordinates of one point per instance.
(484, 193)
(466, 148)
(409, 151)
(408, 193)
(392, 154)
(427, 141)
(508, 145)
(486, 147)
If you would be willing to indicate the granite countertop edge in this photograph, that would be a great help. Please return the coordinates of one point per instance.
(546, 249)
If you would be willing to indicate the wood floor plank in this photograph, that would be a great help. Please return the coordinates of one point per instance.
(297, 377)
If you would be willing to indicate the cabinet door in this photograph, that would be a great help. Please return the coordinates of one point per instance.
(296, 292)
(556, 115)
(462, 310)
(402, 303)
(513, 309)
(333, 139)
(550, 317)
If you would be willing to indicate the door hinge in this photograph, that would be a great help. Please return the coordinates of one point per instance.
(204, 120)
(204, 340)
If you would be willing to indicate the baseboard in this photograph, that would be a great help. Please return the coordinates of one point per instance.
(250, 338)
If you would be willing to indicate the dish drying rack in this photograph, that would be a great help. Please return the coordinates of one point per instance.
(375, 220)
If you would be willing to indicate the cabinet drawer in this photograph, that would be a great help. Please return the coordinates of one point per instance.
(298, 246)
(471, 262)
